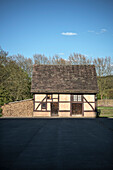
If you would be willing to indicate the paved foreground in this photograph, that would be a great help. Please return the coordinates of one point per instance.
(56, 144)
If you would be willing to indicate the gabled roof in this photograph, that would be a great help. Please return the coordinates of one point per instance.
(64, 79)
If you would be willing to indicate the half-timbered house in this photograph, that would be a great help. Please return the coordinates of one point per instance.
(64, 90)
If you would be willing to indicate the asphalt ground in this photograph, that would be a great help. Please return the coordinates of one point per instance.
(33, 143)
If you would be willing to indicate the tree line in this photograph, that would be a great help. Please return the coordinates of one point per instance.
(16, 73)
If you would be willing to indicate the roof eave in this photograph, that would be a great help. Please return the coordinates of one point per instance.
(64, 91)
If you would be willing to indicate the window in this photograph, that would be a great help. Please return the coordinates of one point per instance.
(74, 97)
(77, 98)
(43, 106)
(49, 96)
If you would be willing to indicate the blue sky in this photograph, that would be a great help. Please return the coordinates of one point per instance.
(59, 27)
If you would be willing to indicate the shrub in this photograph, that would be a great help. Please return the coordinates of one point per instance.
(0, 110)
(98, 112)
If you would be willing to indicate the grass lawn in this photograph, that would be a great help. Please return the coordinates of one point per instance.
(106, 111)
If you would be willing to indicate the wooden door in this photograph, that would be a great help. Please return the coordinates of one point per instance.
(76, 108)
(54, 108)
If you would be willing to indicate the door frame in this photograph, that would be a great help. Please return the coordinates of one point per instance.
(71, 101)
(51, 108)
(81, 108)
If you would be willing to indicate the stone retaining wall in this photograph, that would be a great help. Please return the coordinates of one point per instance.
(23, 108)
(105, 102)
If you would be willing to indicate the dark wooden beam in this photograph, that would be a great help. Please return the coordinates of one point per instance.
(89, 103)
(40, 102)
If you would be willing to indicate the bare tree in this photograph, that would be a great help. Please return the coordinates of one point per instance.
(40, 59)
(56, 60)
(78, 59)
(103, 68)
(25, 63)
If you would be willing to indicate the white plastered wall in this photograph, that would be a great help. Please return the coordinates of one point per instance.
(87, 107)
(38, 99)
(64, 106)
(49, 106)
(64, 97)
(39, 113)
(90, 97)
(55, 95)
(36, 105)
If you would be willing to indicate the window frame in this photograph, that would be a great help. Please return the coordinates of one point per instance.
(42, 106)
(77, 98)
(50, 96)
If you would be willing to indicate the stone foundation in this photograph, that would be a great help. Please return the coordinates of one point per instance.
(41, 114)
(90, 114)
(64, 114)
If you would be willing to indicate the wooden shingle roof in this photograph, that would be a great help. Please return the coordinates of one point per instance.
(64, 79)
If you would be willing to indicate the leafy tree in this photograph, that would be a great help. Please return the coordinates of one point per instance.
(110, 93)
(14, 81)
